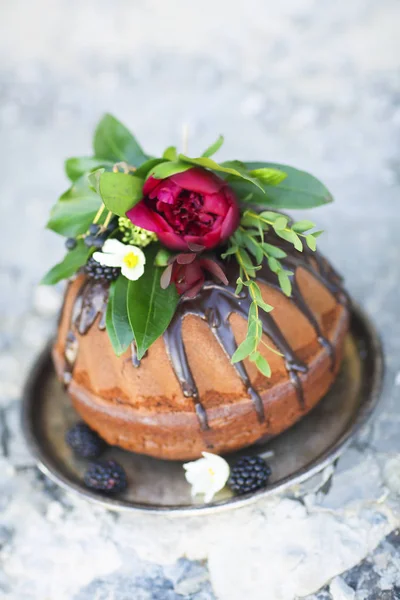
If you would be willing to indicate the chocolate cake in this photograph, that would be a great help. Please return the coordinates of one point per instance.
(208, 379)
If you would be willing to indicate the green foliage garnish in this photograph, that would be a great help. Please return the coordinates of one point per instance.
(73, 261)
(150, 308)
(249, 247)
(117, 322)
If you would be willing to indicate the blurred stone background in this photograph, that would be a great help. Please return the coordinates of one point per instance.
(307, 83)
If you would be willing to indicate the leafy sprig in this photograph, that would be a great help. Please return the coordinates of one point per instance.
(250, 248)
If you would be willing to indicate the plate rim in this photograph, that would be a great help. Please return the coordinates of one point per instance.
(325, 459)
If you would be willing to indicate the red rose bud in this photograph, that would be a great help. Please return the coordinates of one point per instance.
(187, 210)
(187, 273)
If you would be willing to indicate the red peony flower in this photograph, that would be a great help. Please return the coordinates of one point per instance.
(186, 271)
(191, 208)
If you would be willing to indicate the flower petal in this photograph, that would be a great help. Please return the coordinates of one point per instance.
(132, 273)
(172, 240)
(142, 216)
(108, 260)
(113, 246)
(215, 204)
(214, 268)
(198, 180)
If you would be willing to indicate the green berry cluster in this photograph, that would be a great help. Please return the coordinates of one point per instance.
(136, 236)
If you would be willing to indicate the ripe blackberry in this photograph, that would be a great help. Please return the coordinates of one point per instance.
(94, 228)
(84, 441)
(106, 476)
(98, 272)
(249, 474)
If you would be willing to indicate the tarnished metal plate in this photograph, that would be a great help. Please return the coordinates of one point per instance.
(160, 486)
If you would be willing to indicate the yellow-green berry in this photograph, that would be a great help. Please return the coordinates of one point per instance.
(136, 236)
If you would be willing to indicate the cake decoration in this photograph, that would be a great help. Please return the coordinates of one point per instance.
(207, 475)
(153, 242)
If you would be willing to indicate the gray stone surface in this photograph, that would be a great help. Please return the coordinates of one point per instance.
(308, 83)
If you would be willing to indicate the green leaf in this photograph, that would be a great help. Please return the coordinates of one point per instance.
(261, 363)
(113, 141)
(78, 166)
(120, 192)
(268, 175)
(311, 242)
(292, 237)
(208, 163)
(147, 166)
(254, 248)
(162, 257)
(170, 153)
(231, 250)
(214, 147)
(117, 322)
(75, 210)
(298, 190)
(239, 286)
(280, 223)
(318, 233)
(259, 299)
(166, 169)
(302, 226)
(284, 282)
(270, 216)
(274, 264)
(273, 251)
(150, 308)
(72, 261)
(243, 350)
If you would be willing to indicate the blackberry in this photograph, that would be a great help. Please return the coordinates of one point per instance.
(249, 474)
(84, 441)
(98, 272)
(70, 243)
(106, 476)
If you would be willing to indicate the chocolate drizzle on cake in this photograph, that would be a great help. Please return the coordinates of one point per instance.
(214, 304)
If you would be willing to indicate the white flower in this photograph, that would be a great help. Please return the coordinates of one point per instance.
(116, 254)
(207, 475)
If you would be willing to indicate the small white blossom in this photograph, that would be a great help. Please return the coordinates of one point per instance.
(207, 475)
(116, 254)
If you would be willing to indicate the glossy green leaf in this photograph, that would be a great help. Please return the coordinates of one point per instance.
(113, 141)
(273, 251)
(261, 363)
(269, 175)
(208, 163)
(117, 321)
(78, 166)
(147, 166)
(170, 153)
(72, 261)
(166, 169)
(150, 308)
(298, 190)
(120, 192)
(254, 248)
(280, 223)
(285, 282)
(243, 350)
(302, 226)
(256, 292)
(75, 210)
(292, 237)
(311, 242)
(214, 147)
